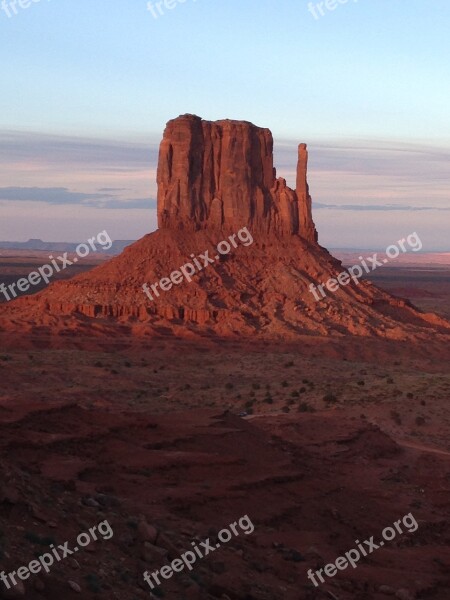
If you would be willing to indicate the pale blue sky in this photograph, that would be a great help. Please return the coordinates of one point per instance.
(87, 88)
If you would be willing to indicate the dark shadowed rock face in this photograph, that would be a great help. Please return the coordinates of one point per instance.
(220, 175)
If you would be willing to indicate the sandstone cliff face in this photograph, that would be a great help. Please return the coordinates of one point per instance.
(220, 175)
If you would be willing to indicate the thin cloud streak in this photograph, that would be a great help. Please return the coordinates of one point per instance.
(61, 196)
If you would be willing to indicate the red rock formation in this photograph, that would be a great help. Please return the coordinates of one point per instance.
(307, 228)
(213, 180)
(220, 175)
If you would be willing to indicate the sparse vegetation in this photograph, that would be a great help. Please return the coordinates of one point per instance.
(305, 407)
(93, 582)
(35, 538)
(330, 398)
(395, 416)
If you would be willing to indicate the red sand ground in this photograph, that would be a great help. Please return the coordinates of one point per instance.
(131, 428)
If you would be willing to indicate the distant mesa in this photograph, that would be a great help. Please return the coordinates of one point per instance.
(214, 178)
(39, 245)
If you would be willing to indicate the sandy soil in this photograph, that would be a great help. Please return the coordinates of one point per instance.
(339, 443)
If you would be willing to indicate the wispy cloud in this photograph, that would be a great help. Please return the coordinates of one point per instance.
(379, 207)
(18, 146)
(113, 189)
(375, 173)
(58, 195)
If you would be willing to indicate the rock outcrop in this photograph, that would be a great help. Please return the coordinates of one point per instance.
(307, 228)
(214, 179)
(220, 175)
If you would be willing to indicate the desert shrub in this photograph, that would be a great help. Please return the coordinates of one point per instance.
(330, 398)
(284, 384)
(93, 583)
(126, 577)
(395, 416)
(34, 538)
(305, 407)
